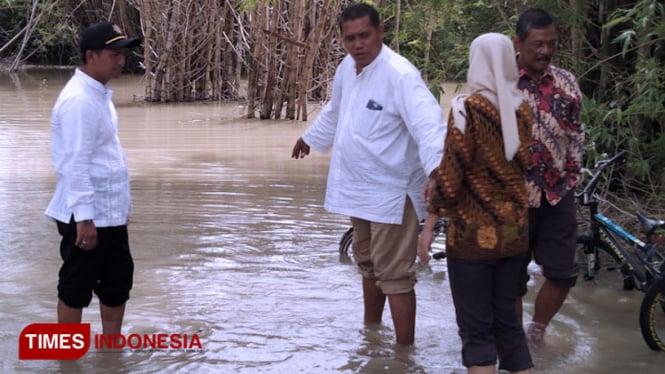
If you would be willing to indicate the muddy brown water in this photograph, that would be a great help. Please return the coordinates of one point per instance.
(231, 242)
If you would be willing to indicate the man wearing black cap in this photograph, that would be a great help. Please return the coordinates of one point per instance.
(92, 201)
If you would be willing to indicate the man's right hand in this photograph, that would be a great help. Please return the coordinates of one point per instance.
(429, 189)
(426, 237)
(300, 150)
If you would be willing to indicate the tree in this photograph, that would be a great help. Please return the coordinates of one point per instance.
(285, 40)
(627, 110)
(35, 31)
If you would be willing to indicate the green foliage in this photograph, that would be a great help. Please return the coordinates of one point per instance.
(452, 24)
(11, 18)
(52, 42)
(631, 114)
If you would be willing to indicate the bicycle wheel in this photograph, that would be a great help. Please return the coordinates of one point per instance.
(652, 316)
(610, 271)
(345, 249)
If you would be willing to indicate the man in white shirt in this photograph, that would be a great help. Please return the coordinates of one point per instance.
(386, 131)
(92, 201)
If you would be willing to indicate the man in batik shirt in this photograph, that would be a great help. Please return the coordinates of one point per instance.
(556, 160)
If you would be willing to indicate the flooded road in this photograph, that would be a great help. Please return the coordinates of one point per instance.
(230, 242)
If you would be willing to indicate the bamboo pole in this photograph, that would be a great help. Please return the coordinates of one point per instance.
(31, 25)
(293, 57)
(256, 46)
(148, 52)
(310, 54)
(227, 81)
(272, 58)
(200, 50)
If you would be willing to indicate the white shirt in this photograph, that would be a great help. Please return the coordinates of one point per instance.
(90, 164)
(386, 131)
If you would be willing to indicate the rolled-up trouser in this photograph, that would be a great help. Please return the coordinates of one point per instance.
(387, 252)
(484, 294)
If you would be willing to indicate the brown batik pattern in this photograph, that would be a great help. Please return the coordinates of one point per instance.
(481, 193)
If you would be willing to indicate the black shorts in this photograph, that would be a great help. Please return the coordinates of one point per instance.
(107, 269)
(552, 234)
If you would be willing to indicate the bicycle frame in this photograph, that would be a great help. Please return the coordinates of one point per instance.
(641, 264)
(640, 260)
(643, 270)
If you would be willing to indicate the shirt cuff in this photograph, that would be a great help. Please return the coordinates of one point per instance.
(84, 213)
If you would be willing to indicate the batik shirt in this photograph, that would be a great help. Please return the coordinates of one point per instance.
(481, 193)
(558, 136)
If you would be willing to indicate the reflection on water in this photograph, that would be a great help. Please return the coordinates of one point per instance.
(230, 242)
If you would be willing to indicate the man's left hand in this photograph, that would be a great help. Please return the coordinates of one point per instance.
(86, 235)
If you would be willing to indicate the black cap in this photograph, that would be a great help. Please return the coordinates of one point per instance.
(104, 35)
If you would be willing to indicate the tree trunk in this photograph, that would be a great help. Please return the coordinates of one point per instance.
(293, 58)
(258, 16)
(30, 28)
(225, 38)
(428, 47)
(313, 42)
(272, 58)
(200, 50)
(398, 11)
(147, 42)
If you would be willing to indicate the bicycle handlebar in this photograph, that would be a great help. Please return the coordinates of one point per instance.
(590, 187)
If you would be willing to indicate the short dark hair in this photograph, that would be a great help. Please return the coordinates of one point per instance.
(532, 18)
(359, 10)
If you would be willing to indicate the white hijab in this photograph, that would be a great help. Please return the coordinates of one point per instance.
(493, 74)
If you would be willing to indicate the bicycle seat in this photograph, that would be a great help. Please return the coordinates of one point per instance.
(649, 225)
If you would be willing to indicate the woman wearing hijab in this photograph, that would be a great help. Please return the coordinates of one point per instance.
(480, 188)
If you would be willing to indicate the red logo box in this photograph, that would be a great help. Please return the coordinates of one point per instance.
(54, 341)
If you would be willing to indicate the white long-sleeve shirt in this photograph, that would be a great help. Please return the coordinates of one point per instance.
(386, 131)
(90, 164)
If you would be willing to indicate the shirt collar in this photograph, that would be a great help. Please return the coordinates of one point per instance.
(375, 62)
(547, 73)
(92, 82)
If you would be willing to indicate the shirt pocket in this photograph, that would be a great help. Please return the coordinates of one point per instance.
(366, 123)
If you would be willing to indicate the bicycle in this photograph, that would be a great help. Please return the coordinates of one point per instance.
(346, 251)
(615, 255)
